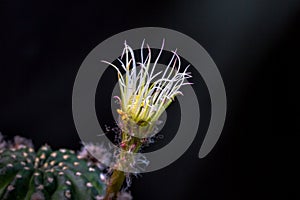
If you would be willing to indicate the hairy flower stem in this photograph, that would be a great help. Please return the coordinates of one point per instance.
(128, 143)
(116, 182)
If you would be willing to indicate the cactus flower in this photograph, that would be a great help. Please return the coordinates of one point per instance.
(144, 93)
(144, 96)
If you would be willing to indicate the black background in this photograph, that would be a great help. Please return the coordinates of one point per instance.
(254, 44)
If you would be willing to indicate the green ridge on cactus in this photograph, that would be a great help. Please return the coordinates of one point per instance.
(46, 174)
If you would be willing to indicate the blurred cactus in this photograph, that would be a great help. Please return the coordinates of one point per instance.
(47, 174)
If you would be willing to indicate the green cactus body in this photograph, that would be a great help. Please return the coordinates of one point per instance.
(46, 174)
